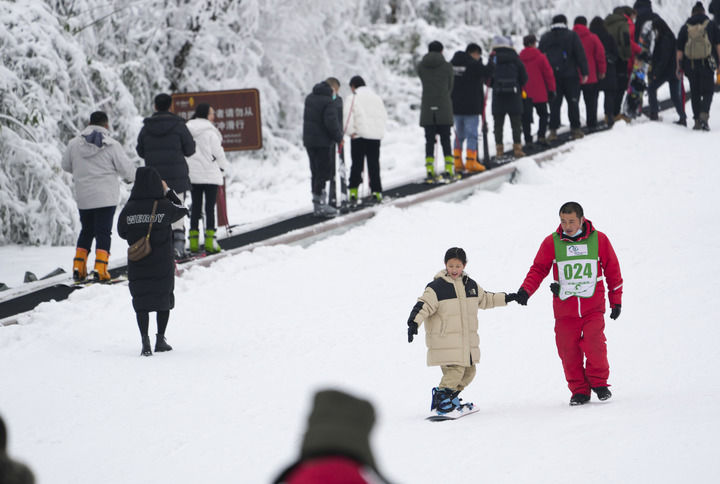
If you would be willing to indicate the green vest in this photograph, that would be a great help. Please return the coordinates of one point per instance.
(577, 264)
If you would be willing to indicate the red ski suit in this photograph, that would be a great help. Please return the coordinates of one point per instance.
(540, 75)
(579, 322)
(594, 52)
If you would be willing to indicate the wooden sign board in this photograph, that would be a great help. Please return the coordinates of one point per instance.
(237, 115)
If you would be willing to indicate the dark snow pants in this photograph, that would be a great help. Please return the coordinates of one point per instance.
(568, 88)
(582, 349)
(96, 223)
(702, 87)
(322, 164)
(444, 132)
(590, 96)
(360, 150)
(622, 79)
(675, 93)
(527, 119)
(209, 193)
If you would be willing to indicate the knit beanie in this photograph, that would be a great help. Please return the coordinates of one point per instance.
(502, 41)
(339, 424)
(698, 8)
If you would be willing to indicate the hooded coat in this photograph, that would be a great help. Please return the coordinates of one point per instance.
(437, 78)
(594, 53)
(164, 142)
(152, 279)
(612, 59)
(207, 164)
(571, 54)
(467, 92)
(713, 36)
(540, 75)
(321, 118)
(449, 309)
(95, 161)
(507, 103)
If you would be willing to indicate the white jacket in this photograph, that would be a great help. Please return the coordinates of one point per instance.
(364, 114)
(95, 169)
(209, 160)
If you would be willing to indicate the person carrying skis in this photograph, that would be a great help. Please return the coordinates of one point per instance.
(580, 258)
(436, 112)
(508, 78)
(95, 161)
(365, 119)
(698, 52)
(449, 308)
(539, 88)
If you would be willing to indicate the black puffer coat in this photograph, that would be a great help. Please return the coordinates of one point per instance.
(321, 124)
(164, 142)
(565, 52)
(152, 279)
(467, 92)
(507, 102)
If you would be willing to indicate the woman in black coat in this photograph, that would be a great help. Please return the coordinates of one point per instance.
(152, 279)
(608, 84)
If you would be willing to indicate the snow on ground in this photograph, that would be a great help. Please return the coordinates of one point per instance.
(257, 334)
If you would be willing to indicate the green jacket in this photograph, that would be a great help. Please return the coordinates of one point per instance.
(436, 75)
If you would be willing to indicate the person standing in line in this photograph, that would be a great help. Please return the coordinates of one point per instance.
(617, 26)
(539, 88)
(436, 113)
(567, 58)
(580, 258)
(508, 78)
(468, 98)
(164, 142)
(663, 66)
(206, 168)
(597, 67)
(338, 102)
(608, 85)
(698, 52)
(321, 131)
(365, 118)
(152, 278)
(95, 161)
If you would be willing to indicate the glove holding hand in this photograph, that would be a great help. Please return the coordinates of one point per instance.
(555, 289)
(522, 297)
(412, 330)
(615, 312)
(509, 297)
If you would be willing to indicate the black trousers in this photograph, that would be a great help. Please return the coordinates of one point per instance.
(609, 106)
(362, 149)
(322, 165)
(515, 126)
(568, 88)
(143, 321)
(444, 132)
(209, 193)
(702, 87)
(527, 119)
(96, 223)
(621, 85)
(590, 96)
(675, 93)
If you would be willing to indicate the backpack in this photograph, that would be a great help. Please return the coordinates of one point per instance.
(505, 78)
(620, 31)
(698, 45)
(556, 54)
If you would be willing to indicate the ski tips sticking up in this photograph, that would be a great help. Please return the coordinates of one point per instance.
(459, 412)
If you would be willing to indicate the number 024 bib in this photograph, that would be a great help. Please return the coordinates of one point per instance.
(577, 266)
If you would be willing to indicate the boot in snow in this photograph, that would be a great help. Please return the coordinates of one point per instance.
(211, 246)
(430, 169)
(321, 208)
(553, 135)
(577, 133)
(471, 164)
(146, 350)
(517, 150)
(193, 237)
(160, 343)
(101, 265)
(353, 196)
(457, 157)
(499, 150)
(603, 393)
(444, 400)
(450, 174)
(80, 264)
(579, 399)
(179, 244)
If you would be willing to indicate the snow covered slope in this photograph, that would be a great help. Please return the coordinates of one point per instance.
(259, 333)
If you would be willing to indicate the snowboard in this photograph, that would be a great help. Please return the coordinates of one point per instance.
(637, 86)
(462, 411)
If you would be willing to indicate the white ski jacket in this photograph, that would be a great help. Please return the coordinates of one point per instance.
(364, 114)
(95, 161)
(208, 163)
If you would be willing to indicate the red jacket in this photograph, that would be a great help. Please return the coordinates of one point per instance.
(330, 470)
(634, 46)
(594, 52)
(574, 307)
(540, 75)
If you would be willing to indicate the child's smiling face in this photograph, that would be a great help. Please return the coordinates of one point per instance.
(454, 268)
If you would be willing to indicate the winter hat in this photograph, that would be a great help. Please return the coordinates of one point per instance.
(456, 253)
(339, 424)
(148, 184)
(642, 4)
(698, 8)
(435, 46)
(502, 41)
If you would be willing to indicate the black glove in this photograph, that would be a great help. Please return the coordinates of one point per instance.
(551, 96)
(511, 297)
(173, 197)
(615, 313)
(555, 288)
(412, 330)
(522, 297)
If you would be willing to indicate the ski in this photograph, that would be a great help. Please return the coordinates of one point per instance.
(90, 281)
(342, 173)
(462, 411)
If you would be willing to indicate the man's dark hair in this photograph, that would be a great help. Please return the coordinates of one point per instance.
(698, 8)
(529, 40)
(572, 207)
(435, 46)
(473, 48)
(98, 118)
(559, 19)
(456, 253)
(357, 81)
(163, 102)
(580, 20)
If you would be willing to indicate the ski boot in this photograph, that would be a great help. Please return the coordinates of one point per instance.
(160, 344)
(579, 399)
(179, 244)
(193, 237)
(517, 150)
(444, 400)
(80, 264)
(450, 176)
(457, 157)
(146, 349)
(321, 208)
(431, 178)
(471, 163)
(603, 393)
(353, 197)
(376, 198)
(101, 265)
(211, 246)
